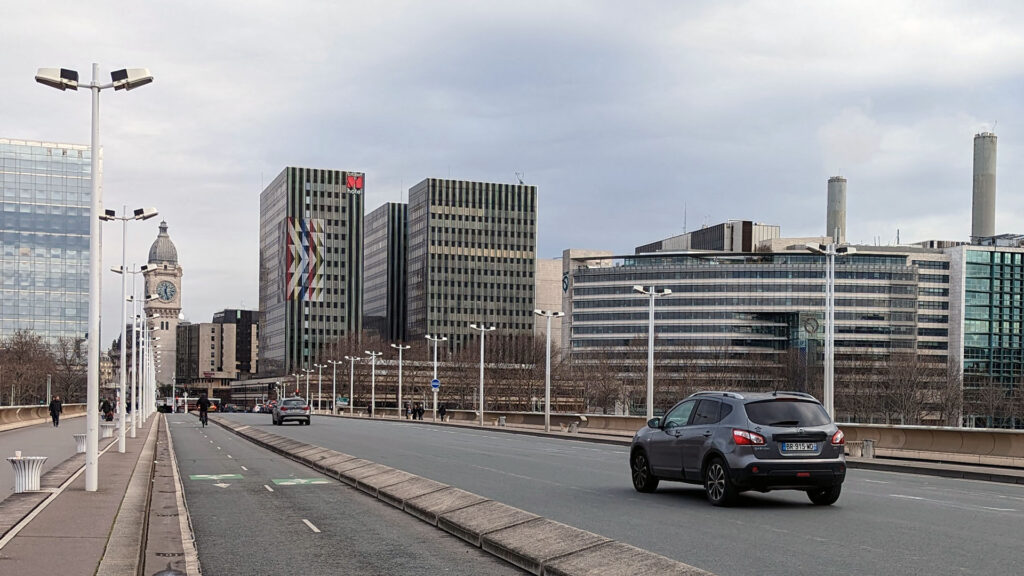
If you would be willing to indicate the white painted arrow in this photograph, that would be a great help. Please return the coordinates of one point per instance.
(222, 485)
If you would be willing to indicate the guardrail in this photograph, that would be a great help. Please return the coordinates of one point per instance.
(983, 446)
(18, 416)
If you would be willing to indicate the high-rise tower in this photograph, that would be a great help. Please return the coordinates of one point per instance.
(983, 206)
(164, 280)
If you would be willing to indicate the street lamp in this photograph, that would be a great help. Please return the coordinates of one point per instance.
(650, 345)
(435, 340)
(373, 381)
(307, 371)
(830, 251)
(549, 314)
(400, 348)
(136, 422)
(107, 216)
(62, 79)
(351, 383)
(483, 332)
(319, 383)
(334, 385)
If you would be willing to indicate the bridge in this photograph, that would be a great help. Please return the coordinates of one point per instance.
(261, 496)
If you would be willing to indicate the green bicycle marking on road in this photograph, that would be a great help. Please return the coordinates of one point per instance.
(215, 477)
(300, 481)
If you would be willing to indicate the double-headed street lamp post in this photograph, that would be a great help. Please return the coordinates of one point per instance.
(110, 215)
(830, 251)
(307, 371)
(136, 381)
(652, 293)
(334, 385)
(62, 79)
(400, 348)
(351, 383)
(319, 384)
(435, 340)
(373, 381)
(549, 314)
(483, 332)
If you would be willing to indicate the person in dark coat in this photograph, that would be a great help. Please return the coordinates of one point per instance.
(107, 410)
(441, 412)
(56, 409)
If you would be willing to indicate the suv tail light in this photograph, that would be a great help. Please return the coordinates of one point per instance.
(283, 409)
(305, 409)
(747, 438)
(838, 438)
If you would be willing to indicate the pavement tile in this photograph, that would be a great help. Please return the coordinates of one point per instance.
(397, 494)
(618, 559)
(472, 522)
(429, 506)
(532, 544)
(373, 483)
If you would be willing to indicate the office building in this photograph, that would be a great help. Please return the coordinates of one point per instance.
(384, 241)
(311, 265)
(45, 198)
(548, 290)
(731, 236)
(212, 354)
(471, 258)
(163, 279)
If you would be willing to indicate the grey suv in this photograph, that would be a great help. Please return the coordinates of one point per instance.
(291, 409)
(732, 442)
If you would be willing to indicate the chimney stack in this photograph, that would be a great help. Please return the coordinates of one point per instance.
(983, 207)
(835, 217)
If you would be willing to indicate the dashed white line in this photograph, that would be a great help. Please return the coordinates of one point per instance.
(269, 489)
(311, 527)
(1000, 509)
(244, 468)
(875, 481)
(229, 456)
(218, 447)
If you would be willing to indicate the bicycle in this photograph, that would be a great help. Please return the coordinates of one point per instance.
(203, 417)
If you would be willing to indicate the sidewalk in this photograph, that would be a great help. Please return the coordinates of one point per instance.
(72, 531)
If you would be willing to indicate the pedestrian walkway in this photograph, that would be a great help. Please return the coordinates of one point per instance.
(77, 532)
(56, 443)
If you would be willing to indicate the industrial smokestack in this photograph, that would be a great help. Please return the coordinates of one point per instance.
(835, 217)
(983, 207)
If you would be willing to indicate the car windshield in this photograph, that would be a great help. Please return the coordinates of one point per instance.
(296, 402)
(787, 412)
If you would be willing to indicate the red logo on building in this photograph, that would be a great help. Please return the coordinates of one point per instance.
(355, 182)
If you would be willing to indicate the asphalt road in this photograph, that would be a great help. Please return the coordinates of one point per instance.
(884, 523)
(56, 443)
(251, 524)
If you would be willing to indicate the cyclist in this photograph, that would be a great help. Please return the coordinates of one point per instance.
(204, 405)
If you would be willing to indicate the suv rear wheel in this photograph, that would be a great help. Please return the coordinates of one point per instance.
(717, 483)
(825, 496)
(643, 480)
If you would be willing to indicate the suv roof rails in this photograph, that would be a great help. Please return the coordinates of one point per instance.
(793, 393)
(735, 395)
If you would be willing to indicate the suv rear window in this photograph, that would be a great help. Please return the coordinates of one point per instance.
(298, 402)
(787, 412)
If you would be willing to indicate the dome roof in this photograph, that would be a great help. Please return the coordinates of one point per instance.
(163, 251)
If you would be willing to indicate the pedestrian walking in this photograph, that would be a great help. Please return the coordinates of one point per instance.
(407, 410)
(56, 409)
(442, 411)
(107, 410)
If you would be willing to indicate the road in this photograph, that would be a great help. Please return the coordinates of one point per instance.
(254, 512)
(884, 523)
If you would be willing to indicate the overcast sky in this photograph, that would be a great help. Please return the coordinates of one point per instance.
(625, 115)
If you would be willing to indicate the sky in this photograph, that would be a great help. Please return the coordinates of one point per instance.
(635, 120)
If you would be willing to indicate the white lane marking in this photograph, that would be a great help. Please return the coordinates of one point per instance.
(876, 481)
(218, 447)
(1000, 509)
(244, 468)
(269, 489)
(229, 456)
(905, 496)
(211, 441)
(311, 527)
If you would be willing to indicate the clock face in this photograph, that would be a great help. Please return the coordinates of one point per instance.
(166, 291)
(811, 325)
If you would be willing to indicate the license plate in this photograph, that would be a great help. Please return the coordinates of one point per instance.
(799, 447)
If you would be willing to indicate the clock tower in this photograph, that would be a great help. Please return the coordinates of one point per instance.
(163, 279)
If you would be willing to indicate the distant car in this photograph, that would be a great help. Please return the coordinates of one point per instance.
(732, 442)
(291, 409)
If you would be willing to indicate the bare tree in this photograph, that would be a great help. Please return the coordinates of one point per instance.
(70, 368)
(26, 362)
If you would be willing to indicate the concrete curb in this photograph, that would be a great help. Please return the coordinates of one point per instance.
(125, 544)
(188, 540)
(533, 543)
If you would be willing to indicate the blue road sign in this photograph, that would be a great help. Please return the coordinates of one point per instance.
(435, 383)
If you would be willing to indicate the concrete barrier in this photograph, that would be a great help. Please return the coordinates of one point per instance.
(12, 417)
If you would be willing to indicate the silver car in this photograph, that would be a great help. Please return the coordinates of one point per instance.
(732, 442)
(291, 409)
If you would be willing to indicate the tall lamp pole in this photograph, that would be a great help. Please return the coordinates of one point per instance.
(652, 293)
(435, 340)
(830, 251)
(373, 381)
(334, 385)
(351, 383)
(107, 216)
(319, 384)
(307, 371)
(483, 332)
(549, 314)
(400, 348)
(62, 79)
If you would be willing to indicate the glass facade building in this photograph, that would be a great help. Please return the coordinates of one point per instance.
(311, 265)
(45, 197)
(385, 241)
(756, 320)
(472, 258)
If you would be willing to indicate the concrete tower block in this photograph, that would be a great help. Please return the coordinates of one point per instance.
(835, 217)
(983, 207)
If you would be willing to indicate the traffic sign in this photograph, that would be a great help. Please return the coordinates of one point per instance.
(435, 383)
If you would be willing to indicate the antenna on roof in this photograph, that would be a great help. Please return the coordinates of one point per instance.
(520, 176)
